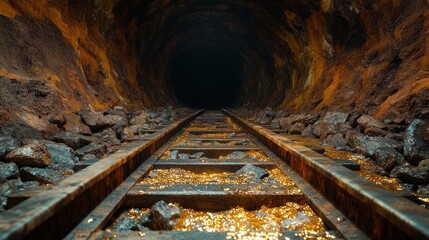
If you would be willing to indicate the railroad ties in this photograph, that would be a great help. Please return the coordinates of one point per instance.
(199, 163)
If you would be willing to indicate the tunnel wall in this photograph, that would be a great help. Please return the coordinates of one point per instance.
(363, 55)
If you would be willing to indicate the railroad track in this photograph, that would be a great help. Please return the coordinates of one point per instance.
(85, 205)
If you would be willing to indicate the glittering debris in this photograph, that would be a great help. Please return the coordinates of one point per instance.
(251, 155)
(168, 177)
(238, 223)
(367, 169)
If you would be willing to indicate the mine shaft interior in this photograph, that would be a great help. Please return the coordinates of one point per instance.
(247, 101)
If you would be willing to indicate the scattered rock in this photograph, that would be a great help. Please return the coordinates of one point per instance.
(410, 174)
(174, 154)
(328, 128)
(423, 191)
(285, 123)
(336, 141)
(118, 111)
(131, 131)
(369, 122)
(42, 175)
(352, 120)
(253, 172)
(119, 123)
(73, 140)
(125, 224)
(162, 216)
(373, 131)
(308, 132)
(96, 121)
(304, 118)
(416, 148)
(21, 130)
(335, 117)
(388, 158)
(275, 123)
(62, 156)
(108, 137)
(197, 155)
(33, 155)
(7, 144)
(75, 125)
(237, 155)
(9, 171)
(93, 148)
(367, 145)
(297, 128)
(16, 185)
(140, 119)
(317, 128)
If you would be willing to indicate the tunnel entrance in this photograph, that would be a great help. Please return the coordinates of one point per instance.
(207, 76)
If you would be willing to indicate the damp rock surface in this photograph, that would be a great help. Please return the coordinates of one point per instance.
(162, 216)
(34, 155)
(253, 171)
(42, 175)
(416, 147)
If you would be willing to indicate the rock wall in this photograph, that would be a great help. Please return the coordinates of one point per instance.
(365, 56)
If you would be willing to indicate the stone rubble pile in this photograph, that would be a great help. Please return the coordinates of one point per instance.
(400, 148)
(27, 159)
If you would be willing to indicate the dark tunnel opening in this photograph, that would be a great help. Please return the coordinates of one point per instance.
(207, 76)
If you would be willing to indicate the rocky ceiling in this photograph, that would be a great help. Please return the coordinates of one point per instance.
(68, 55)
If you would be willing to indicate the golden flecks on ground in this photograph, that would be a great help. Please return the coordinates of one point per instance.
(291, 216)
(252, 155)
(219, 135)
(192, 143)
(181, 176)
(367, 168)
(238, 223)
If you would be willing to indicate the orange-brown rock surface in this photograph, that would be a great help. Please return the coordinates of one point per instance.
(66, 55)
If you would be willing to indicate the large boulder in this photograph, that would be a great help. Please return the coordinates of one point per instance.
(62, 156)
(75, 125)
(416, 148)
(368, 145)
(7, 144)
(337, 140)
(73, 140)
(93, 148)
(96, 121)
(335, 117)
(118, 111)
(285, 123)
(411, 174)
(140, 119)
(108, 137)
(119, 123)
(33, 155)
(369, 122)
(306, 119)
(388, 158)
(42, 175)
(297, 128)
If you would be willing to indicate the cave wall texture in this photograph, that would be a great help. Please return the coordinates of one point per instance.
(69, 55)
